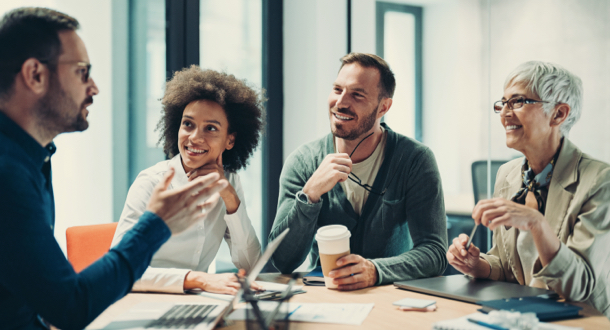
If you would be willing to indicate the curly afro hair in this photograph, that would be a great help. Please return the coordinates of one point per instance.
(242, 104)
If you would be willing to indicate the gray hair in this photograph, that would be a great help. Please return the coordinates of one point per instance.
(552, 83)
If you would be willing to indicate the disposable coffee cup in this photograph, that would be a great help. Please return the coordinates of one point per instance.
(333, 243)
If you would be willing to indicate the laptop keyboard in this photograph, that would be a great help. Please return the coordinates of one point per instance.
(182, 317)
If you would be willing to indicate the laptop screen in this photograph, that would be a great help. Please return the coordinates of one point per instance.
(271, 247)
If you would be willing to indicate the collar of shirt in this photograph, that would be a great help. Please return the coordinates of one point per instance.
(37, 153)
(536, 183)
(180, 179)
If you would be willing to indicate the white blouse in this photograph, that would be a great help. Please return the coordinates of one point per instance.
(196, 247)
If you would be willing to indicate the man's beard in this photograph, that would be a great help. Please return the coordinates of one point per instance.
(367, 123)
(56, 111)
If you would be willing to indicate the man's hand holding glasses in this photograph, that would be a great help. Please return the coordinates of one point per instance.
(334, 168)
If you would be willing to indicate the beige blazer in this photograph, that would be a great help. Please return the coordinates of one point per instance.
(578, 210)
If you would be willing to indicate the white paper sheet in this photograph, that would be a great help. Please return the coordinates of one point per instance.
(462, 323)
(351, 314)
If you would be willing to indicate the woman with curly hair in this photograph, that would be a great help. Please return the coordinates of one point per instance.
(211, 123)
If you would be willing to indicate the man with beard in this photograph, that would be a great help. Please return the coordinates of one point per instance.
(45, 89)
(384, 187)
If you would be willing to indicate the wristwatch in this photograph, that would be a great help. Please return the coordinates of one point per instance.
(303, 197)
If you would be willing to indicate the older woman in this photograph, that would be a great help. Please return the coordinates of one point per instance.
(551, 212)
(211, 123)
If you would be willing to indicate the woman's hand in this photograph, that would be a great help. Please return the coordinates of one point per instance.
(217, 283)
(496, 212)
(228, 195)
(207, 169)
(467, 261)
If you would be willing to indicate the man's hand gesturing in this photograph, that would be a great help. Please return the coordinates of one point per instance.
(180, 208)
(334, 168)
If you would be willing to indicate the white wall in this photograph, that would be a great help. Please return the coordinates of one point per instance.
(363, 26)
(574, 34)
(82, 166)
(315, 34)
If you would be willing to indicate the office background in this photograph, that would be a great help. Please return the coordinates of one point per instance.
(450, 58)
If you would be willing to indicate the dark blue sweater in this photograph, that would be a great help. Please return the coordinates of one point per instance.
(36, 280)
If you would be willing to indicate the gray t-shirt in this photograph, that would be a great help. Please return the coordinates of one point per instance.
(366, 170)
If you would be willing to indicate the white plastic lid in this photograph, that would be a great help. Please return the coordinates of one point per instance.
(332, 232)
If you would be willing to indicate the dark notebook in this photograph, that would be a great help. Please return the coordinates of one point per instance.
(545, 309)
(315, 277)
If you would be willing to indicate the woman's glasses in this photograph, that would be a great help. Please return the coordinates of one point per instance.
(514, 103)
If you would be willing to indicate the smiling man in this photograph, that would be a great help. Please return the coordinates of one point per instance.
(45, 89)
(384, 187)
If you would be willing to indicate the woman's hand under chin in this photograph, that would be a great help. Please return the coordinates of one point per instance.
(205, 169)
(228, 195)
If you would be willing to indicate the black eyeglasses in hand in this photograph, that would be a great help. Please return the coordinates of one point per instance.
(368, 187)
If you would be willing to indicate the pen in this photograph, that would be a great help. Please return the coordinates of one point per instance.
(471, 235)
(290, 314)
(488, 325)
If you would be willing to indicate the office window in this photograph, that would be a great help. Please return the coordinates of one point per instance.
(399, 42)
(231, 41)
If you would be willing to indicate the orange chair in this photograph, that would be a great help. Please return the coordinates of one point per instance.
(86, 244)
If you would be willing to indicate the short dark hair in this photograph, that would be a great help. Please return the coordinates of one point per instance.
(30, 32)
(243, 106)
(387, 83)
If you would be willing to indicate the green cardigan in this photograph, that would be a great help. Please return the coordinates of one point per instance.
(403, 232)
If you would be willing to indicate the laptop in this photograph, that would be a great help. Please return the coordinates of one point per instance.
(472, 290)
(271, 290)
(199, 316)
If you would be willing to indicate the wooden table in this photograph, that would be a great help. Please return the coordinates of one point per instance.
(383, 315)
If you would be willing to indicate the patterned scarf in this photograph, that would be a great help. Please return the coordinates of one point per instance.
(536, 183)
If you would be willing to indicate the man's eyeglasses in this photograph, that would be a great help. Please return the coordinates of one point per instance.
(368, 187)
(514, 103)
(85, 70)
